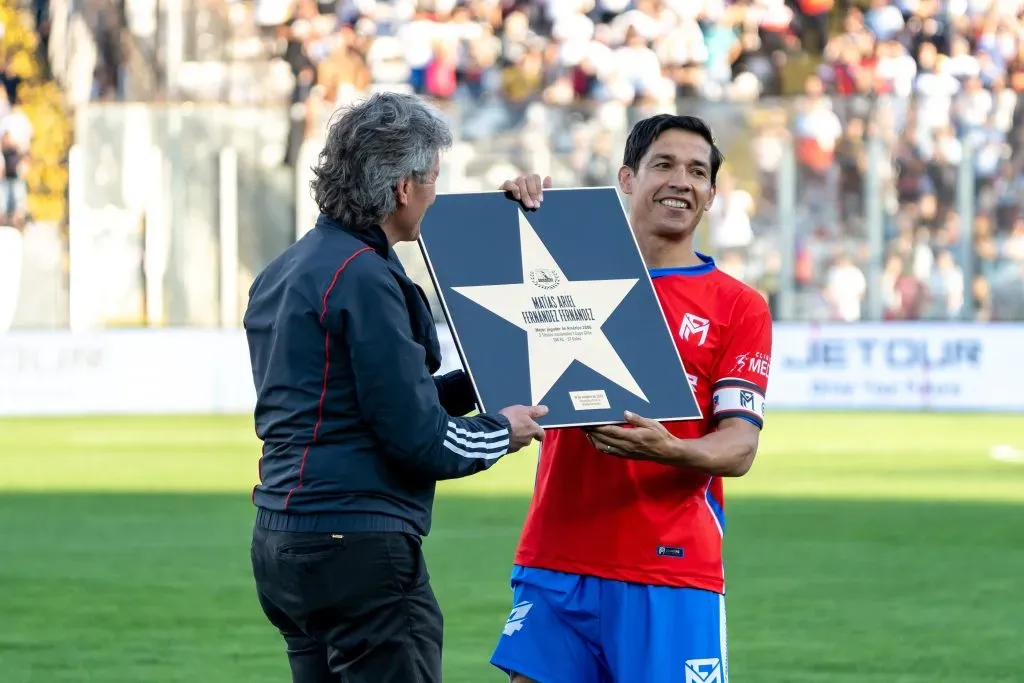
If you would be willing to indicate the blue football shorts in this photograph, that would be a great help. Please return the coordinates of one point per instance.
(566, 628)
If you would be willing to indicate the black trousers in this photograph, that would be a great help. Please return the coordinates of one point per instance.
(352, 608)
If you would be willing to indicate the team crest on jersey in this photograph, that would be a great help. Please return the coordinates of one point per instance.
(694, 326)
(747, 399)
(703, 670)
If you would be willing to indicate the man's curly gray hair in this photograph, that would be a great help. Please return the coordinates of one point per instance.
(372, 147)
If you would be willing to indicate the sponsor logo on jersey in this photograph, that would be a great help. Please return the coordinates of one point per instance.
(703, 670)
(758, 363)
(694, 325)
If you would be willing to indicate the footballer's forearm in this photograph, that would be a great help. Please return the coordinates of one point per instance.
(727, 452)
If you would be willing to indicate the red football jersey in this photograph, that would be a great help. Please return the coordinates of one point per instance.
(643, 522)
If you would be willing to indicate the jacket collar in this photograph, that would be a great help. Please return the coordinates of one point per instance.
(371, 235)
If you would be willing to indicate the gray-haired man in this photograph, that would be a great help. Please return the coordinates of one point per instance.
(356, 430)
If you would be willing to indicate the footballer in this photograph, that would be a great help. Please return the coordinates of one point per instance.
(618, 574)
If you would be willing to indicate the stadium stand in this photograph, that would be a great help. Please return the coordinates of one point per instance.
(873, 148)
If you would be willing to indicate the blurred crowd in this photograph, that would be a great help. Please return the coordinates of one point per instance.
(938, 85)
(935, 83)
(561, 53)
(872, 146)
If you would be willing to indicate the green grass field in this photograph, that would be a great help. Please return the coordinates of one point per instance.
(861, 548)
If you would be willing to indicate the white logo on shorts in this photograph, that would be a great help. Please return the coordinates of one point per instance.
(703, 671)
(517, 617)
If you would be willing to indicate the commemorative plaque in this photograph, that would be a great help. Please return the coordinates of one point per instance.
(554, 306)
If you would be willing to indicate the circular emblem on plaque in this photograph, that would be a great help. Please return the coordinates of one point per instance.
(544, 278)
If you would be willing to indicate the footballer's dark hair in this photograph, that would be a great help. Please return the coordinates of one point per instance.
(646, 131)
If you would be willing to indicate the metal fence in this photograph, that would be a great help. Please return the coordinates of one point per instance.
(174, 209)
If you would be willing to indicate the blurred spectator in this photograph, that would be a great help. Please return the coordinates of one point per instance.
(907, 295)
(10, 81)
(947, 287)
(814, 20)
(13, 188)
(817, 129)
(852, 162)
(846, 289)
(15, 144)
(729, 217)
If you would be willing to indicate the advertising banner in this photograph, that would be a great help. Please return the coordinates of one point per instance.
(118, 372)
(903, 366)
(887, 366)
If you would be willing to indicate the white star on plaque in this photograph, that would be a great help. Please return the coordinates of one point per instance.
(562, 318)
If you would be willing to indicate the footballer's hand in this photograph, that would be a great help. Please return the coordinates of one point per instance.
(644, 439)
(524, 429)
(528, 190)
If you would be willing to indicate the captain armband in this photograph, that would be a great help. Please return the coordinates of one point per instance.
(734, 397)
